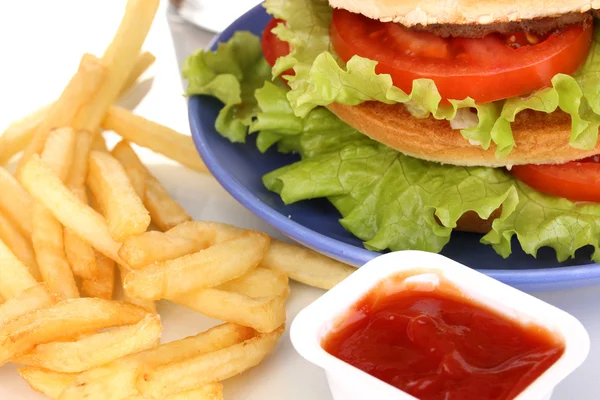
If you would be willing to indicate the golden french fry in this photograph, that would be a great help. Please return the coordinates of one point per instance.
(165, 212)
(19, 245)
(48, 244)
(19, 133)
(262, 314)
(79, 167)
(14, 275)
(84, 85)
(120, 58)
(123, 209)
(212, 391)
(208, 268)
(168, 379)
(64, 321)
(260, 282)
(147, 304)
(138, 181)
(142, 63)
(305, 265)
(99, 142)
(94, 350)
(48, 383)
(46, 187)
(80, 255)
(15, 202)
(47, 232)
(103, 284)
(297, 262)
(156, 137)
(29, 300)
(150, 247)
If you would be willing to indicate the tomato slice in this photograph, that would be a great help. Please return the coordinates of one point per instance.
(273, 47)
(576, 181)
(491, 68)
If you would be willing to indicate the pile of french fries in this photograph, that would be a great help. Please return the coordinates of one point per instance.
(75, 214)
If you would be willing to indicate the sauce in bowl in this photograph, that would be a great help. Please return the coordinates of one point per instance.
(437, 344)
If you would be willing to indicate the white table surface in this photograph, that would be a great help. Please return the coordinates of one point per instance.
(40, 45)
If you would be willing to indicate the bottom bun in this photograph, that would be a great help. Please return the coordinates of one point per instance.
(540, 138)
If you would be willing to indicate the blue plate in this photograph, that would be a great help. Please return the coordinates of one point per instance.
(314, 223)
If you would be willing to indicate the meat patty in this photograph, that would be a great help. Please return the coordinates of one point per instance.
(539, 26)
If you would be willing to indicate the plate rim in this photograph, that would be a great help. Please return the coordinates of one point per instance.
(537, 277)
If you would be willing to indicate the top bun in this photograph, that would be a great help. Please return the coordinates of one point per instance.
(463, 12)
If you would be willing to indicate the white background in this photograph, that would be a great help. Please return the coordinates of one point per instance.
(41, 42)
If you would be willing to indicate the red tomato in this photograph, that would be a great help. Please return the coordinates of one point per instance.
(273, 47)
(577, 180)
(487, 69)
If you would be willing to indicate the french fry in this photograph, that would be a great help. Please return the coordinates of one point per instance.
(19, 133)
(208, 268)
(84, 85)
(64, 321)
(19, 245)
(29, 300)
(47, 232)
(94, 350)
(103, 284)
(201, 369)
(299, 263)
(48, 383)
(14, 275)
(80, 255)
(46, 187)
(262, 314)
(156, 137)
(260, 282)
(99, 142)
(120, 58)
(123, 209)
(147, 304)
(150, 247)
(164, 211)
(15, 202)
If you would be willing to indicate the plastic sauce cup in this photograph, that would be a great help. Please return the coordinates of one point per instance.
(349, 383)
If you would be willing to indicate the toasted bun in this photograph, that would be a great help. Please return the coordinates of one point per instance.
(540, 138)
(426, 12)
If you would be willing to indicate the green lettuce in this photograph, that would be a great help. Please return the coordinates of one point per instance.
(387, 199)
(322, 79)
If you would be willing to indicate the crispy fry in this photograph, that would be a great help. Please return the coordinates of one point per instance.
(260, 282)
(19, 245)
(99, 142)
(103, 284)
(201, 369)
(29, 300)
(15, 202)
(142, 63)
(19, 133)
(48, 244)
(64, 321)
(47, 232)
(156, 137)
(123, 209)
(208, 268)
(96, 349)
(147, 304)
(84, 85)
(120, 58)
(263, 314)
(165, 212)
(49, 383)
(141, 250)
(45, 186)
(299, 263)
(14, 275)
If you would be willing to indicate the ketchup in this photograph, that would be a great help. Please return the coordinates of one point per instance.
(440, 346)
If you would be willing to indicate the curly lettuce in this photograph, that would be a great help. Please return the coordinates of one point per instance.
(387, 199)
(322, 79)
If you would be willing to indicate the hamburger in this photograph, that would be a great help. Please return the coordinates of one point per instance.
(418, 117)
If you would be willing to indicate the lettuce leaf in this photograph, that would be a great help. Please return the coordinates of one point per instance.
(322, 79)
(387, 199)
(231, 74)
